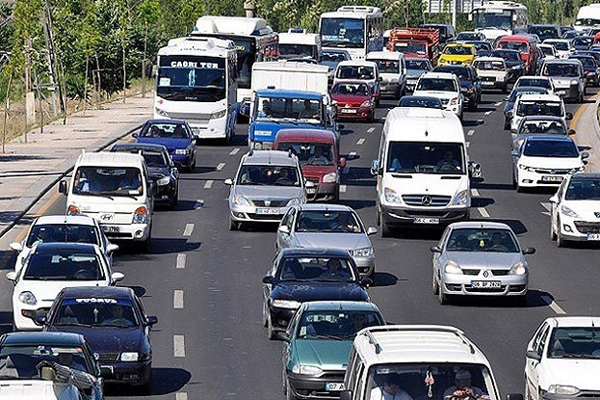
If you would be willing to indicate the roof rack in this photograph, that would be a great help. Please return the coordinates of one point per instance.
(374, 342)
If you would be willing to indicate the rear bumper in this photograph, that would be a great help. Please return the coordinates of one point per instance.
(510, 285)
(133, 373)
(354, 113)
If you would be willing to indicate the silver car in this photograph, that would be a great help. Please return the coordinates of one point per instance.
(267, 182)
(480, 258)
(568, 78)
(331, 226)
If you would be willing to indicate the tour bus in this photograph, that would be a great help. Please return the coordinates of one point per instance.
(423, 173)
(196, 82)
(254, 41)
(296, 43)
(588, 17)
(497, 18)
(357, 29)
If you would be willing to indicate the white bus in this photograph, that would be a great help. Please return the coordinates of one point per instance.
(357, 29)
(497, 18)
(588, 17)
(196, 83)
(254, 41)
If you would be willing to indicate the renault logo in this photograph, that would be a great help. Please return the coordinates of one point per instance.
(486, 274)
(426, 200)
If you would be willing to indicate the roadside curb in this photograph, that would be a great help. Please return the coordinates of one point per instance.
(589, 133)
(64, 169)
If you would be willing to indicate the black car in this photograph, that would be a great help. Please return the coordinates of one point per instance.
(544, 31)
(593, 53)
(470, 83)
(484, 48)
(161, 169)
(514, 62)
(512, 98)
(582, 42)
(299, 275)
(420, 102)
(113, 321)
(570, 34)
(590, 68)
(447, 32)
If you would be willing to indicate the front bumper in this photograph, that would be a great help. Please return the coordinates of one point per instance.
(133, 373)
(136, 232)
(322, 191)
(25, 323)
(252, 214)
(510, 285)
(165, 192)
(183, 160)
(455, 108)
(399, 216)
(571, 92)
(209, 129)
(534, 179)
(576, 229)
(493, 84)
(310, 387)
(389, 88)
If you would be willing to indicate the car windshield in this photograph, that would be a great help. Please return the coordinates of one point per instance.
(268, 175)
(461, 72)
(520, 46)
(96, 312)
(353, 89)
(458, 50)
(507, 55)
(568, 70)
(583, 41)
(356, 72)
(429, 381)
(544, 32)
(559, 45)
(583, 189)
(437, 84)
(411, 47)
(277, 109)
(108, 181)
(575, 342)
(165, 131)
(310, 153)
(421, 65)
(426, 158)
(482, 240)
(57, 266)
(588, 62)
(533, 82)
(61, 233)
(551, 148)
(467, 36)
(525, 90)
(335, 324)
(316, 269)
(289, 50)
(20, 362)
(543, 127)
(547, 50)
(550, 108)
(328, 221)
(153, 159)
(490, 65)
(387, 66)
(343, 32)
(421, 102)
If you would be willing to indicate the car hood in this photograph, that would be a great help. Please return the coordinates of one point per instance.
(435, 93)
(317, 170)
(268, 192)
(48, 290)
(326, 354)
(310, 291)
(563, 81)
(551, 162)
(585, 208)
(170, 144)
(36, 389)
(158, 172)
(414, 73)
(107, 339)
(479, 260)
(346, 241)
(572, 372)
(348, 98)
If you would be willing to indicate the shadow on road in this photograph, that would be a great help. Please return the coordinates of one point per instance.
(535, 298)
(164, 381)
(381, 279)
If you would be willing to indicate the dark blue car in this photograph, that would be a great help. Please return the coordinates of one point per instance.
(175, 135)
(113, 322)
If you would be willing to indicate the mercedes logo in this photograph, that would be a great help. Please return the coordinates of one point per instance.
(597, 214)
(426, 200)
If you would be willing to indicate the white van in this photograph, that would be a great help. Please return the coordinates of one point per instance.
(359, 70)
(549, 105)
(423, 173)
(392, 70)
(114, 189)
(426, 359)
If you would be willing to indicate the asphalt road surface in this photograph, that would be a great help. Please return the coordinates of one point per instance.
(204, 282)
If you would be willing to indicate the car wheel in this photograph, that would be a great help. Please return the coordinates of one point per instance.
(505, 89)
(233, 225)
(435, 287)
(461, 115)
(265, 315)
(377, 101)
(271, 334)
(560, 241)
(289, 394)
(506, 124)
(442, 297)
(385, 229)
(173, 201)
(336, 196)
(371, 118)
(552, 230)
(473, 105)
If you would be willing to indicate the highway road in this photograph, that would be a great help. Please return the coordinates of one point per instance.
(204, 282)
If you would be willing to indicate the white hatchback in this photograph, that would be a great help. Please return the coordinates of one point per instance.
(443, 85)
(549, 105)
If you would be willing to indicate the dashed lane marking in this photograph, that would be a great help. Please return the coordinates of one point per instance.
(208, 184)
(189, 228)
(360, 141)
(178, 346)
(234, 151)
(345, 170)
(471, 132)
(181, 396)
(483, 212)
(555, 307)
(487, 113)
(468, 144)
(181, 258)
(498, 104)
(342, 188)
(371, 130)
(178, 299)
(474, 192)
(220, 166)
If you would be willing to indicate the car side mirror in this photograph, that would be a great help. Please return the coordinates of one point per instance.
(151, 320)
(228, 181)
(529, 250)
(372, 230)
(111, 248)
(62, 187)
(284, 229)
(341, 126)
(366, 282)
(475, 169)
(283, 336)
(380, 79)
(506, 98)
(571, 132)
(585, 155)
(16, 246)
(105, 371)
(117, 276)
(554, 199)
(268, 279)
(375, 167)
(342, 162)
(39, 320)
(435, 249)
(152, 189)
(309, 184)
(569, 116)
(11, 276)
(533, 355)
(135, 134)
(347, 394)
(514, 396)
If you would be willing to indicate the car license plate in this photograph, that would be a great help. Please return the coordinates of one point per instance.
(334, 386)
(311, 190)
(552, 178)
(561, 92)
(348, 111)
(110, 229)
(486, 284)
(593, 236)
(267, 211)
(419, 220)
(487, 83)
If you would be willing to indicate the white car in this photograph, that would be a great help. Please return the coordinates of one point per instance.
(548, 105)
(61, 229)
(549, 51)
(575, 209)
(563, 359)
(536, 81)
(493, 73)
(545, 160)
(564, 47)
(50, 268)
(443, 85)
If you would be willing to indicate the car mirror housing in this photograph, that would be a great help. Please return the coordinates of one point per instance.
(151, 320)
(283, 336)
(309, 184)
(569, 116)
(529, 250)
(228, 181)
(366, 281)
(283, 229)
(117, 276)
(372, 230)
(554, 199)
(62, 187)
(435, 249)
(111, 248)
(39, 320)
(11, 276)
(16, 246)
(269, 280)
(533, 355)
(585, 155)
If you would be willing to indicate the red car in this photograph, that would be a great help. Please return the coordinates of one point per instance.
(354, 100)
(318, 152)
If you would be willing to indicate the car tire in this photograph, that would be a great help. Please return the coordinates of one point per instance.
(336, 196)
(552, 230)
(371, 117)
(265, 315)
(233, 225)
(461, 115)
(174, 200)
(505, 89)
(385, 229)
(560, 241)
(435, 287)
(473, 105)
(289, 394)
(271, 334)
(443, 298)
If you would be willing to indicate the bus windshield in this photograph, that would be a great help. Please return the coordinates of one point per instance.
(502, 20)
(343, 32)
(191, 78)
(297, 50)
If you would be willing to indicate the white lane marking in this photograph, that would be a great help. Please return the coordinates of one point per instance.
(234, 151)
(220, 166)
(181, 396)
(555, 307)
(547, 206)
(199, 203)
(178, 299)
(471, 132)
(178, 346)
(208, 184)
(498, 104)
(345, 170)
(483, 212)
(487, 113)
(474, 192)
(546, 213)
(342, 188)
(371, 130)
(351, 155)
(181, 257)
(189, 228)
(360, 141)
(468, 144)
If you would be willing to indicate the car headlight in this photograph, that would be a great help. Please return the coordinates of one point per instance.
(293, 202)
(524, 167)
(73, 210)
(515, 67)
(140, 215)
(330, 177)
(518, 268)
(366, 103)
(302, 369)
(181, 152)
(461, 198)
(218, 114)
(568, 212)
(241, 201)
(291, 304)
(563, 389)
(364, 252)
(129, 357)
(574, 82)
(454, 101)
(391, 196)
(161, 112)
(452, 268)
(163, 181)
(27, 298)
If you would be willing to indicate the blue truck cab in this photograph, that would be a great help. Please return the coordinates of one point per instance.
(276, 109)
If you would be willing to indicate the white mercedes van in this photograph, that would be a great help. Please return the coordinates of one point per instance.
(114, 189)
(423, 170)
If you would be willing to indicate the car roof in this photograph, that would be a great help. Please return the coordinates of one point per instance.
(43, 339)
(357, 62)
(324, 207)
(515, 38)
(545, 138)
(428, 124)
(351, 82)
(49, 248)
(534, 77)
(269, 157)
(539, 97)
(313, 252)
(110, 159)
(164, 121)
(585, 175)
(479, 225)
(500, 59)
(65, 220)
(562, 61)
(542, 118)
(139, 146)
(102, 292)
(575, 321)
(308, 135)
(459, 45)
(420, 97)
(384, 55)
(439, 75)
(416, 343)
(341, 305)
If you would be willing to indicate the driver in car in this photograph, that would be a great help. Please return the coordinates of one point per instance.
(318, 157)
(448, 160)
(462, 388)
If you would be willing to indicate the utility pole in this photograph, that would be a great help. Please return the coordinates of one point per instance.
(49, 35)
(29, 96)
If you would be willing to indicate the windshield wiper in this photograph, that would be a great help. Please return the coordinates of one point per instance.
(323, 336)
(117, 326)
(73, 324)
